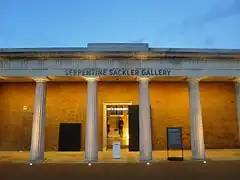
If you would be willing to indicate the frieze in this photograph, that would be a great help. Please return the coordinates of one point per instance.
(118, 72)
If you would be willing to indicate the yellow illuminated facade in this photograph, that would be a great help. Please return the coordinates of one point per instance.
(29, 97)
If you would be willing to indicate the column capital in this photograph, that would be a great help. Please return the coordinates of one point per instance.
(91, 78)
(190, 79)
(40, 79)
(236, 79)
(139, 78)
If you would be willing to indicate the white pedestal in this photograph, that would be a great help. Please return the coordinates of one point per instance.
(116, 150)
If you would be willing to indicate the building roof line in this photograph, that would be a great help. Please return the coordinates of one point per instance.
(150, 50)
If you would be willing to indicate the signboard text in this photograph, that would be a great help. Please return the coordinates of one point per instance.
(174, 138)
(117, 72)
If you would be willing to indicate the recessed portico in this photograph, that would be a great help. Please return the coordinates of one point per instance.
(121, 79)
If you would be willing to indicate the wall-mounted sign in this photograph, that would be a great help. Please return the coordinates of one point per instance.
(117, 72)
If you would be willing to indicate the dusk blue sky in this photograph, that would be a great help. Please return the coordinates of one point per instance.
(161, 23)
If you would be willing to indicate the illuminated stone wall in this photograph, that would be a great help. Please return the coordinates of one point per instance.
(15, 121)
(66, 102)
(170, 103)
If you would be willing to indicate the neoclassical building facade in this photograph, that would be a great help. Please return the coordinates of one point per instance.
(42, 88)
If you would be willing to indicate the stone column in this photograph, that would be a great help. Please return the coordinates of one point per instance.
(145, 130)
(91, 141)
(197, 136)
(237, 87)
(38, 125)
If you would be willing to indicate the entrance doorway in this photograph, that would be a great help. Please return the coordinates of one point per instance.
(115, 114)
(69, 137)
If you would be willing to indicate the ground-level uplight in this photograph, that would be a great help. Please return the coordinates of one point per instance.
(204, 162)
(89, 164)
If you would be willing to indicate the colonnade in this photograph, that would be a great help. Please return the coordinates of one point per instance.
(145, 135)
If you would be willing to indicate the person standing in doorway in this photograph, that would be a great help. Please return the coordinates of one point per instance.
(120, 127)
(108, 128)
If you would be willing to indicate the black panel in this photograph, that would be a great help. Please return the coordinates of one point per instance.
(69, 137)
(133, 120)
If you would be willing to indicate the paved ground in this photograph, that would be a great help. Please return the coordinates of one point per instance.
(106, 157)
(223, 170)
(70, 166)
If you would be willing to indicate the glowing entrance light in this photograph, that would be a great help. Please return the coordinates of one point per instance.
(117, 109)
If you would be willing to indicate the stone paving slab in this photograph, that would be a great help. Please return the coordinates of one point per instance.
(106, 157)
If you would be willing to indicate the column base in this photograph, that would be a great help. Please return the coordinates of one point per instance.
(198, 158)
(145, 161)
(91, 159)
(145, 157)
(36, 161)
(199, 155)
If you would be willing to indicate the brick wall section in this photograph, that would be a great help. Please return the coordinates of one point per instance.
(169, 102)
(66, 102)
(219, 115)
(16, 124)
